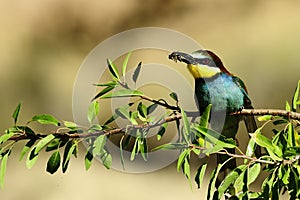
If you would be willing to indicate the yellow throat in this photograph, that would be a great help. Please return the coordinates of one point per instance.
(202, 71)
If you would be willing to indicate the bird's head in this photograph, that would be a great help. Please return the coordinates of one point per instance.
(201, 63)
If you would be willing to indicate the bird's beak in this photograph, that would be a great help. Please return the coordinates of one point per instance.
(181, 57)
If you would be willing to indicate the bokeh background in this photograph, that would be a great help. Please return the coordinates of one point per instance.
(43, 43)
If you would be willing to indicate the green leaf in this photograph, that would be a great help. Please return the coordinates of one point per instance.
(53, 162)
(3, 168)
(187, 168)
(53, 145)
(56, 143)
(136, 72)
(230, 179)
(45, 119)
(121, 152)
(204, 120)
(70, 125)
(290, 135)
(296, 96)
(104, 91)
(287, 106)
(200, 174)
(182, 157)
(93, 111)
(186, 125)
(113, 69)
(106, 160)
(212, 182)
(5, 137)
(69, 150)
(143, 148)
(26, 148)
(262, 140)
(142, 110)
(16, 112)
(43, 142)
(88, 159)
(125, 62)
(99, 145)
(134, 150)
(162, 130)
(109, 83)
(174, 96)
(171, 146)
(286, 176)
(111, 119)
(250, 148)
(215, 138)
(265, 118)
(122, 93)
(31, 158)
(151, 108)
(253, 172)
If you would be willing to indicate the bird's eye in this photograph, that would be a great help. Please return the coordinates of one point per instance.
(206, 61)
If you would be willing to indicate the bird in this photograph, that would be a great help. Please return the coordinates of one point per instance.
(227, 94)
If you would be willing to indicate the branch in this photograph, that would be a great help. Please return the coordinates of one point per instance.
(97, 133)
(273, 112)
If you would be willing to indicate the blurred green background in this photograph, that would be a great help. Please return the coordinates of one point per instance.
(42, 45)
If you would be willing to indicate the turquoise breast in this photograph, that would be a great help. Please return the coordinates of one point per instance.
(220, 91)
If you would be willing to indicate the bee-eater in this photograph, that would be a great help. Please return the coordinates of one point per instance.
(227, 93)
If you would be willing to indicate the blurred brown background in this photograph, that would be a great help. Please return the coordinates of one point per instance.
(42, 45)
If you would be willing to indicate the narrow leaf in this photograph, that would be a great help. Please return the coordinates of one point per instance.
(134, 150)
(69, 150)
(111, 119)
(296, 96)
(93, 111)
(88, 159)
(142, 110)
(121, 152)
(5, 137)
(16, 112)
(204, 120)
(265, 118)
(70, 125)
(253, 172)
(26, 148)
(174, 96)
(122, 93)
(137, 72)
(151, 108)
(182, 157)
(106, 160)
(104, 91)
(31, 158)
(3, 168)
(230, 179)
(125, 62)
(171, 146)
(112, 68)
(212, 182)
(99, 145)
(53, 162)
(161, 131)
(43, 142)
(200, 174)
(45, 119)
(186, 125)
